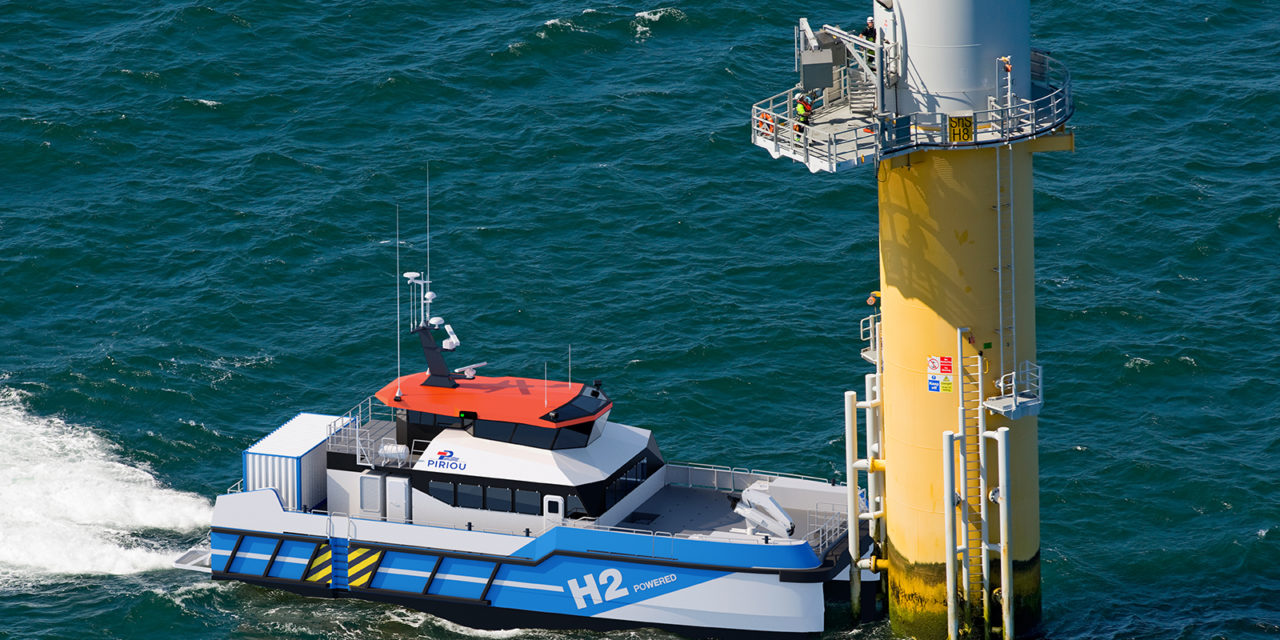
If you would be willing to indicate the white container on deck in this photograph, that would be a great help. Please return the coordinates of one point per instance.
(291, 460)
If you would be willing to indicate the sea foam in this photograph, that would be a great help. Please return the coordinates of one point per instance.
(71, 506)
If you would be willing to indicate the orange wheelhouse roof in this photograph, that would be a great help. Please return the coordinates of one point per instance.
(506, 399)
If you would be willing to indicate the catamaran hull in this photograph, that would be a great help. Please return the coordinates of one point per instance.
(491, 617)
(563, 578)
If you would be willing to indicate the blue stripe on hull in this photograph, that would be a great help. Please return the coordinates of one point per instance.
(400, 571)
(242, 563)
(458, 578)
(221, 545)
(291, 562)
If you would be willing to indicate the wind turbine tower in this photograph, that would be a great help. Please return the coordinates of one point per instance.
(946, 101)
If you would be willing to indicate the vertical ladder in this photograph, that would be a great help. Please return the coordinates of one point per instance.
(1017, 382)
(971, 424)
(339, 534)
(1006, 259)
(338, 563)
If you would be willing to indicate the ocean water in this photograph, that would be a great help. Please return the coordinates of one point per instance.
(197, 241)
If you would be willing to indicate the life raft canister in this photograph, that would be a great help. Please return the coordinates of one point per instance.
(765, 123)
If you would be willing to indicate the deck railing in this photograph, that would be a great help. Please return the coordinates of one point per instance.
(722, 478)
(827, 523)
(348, 433)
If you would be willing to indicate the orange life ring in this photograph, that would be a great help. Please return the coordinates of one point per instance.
(765, 123)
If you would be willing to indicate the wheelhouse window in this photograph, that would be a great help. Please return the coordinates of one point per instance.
(573, 437)
(531, 436)
(587, 403)
(527, 435)
(493, 430)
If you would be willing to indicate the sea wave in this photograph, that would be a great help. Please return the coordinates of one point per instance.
(73, 506)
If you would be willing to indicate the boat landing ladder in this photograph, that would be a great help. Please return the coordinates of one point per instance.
(977, 617)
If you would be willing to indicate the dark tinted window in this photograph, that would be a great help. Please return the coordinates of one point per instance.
(470, 496)
(497, 499)
(531, 436)
(493, 430)
(574, 508)
(529, 502)
(633, 477)
(442, 491)
(573, 437)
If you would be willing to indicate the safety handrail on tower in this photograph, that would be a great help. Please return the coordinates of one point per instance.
(850, 127)
(1021, 393)
(870, 333)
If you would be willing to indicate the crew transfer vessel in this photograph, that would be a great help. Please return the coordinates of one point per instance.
(500, 502)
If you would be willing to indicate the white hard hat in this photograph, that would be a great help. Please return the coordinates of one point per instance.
(870, 20)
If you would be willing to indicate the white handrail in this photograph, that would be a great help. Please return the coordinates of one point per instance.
(949, 529)
(915, 131)
(1000, 495)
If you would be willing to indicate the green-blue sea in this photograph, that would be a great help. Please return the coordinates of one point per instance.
(198, 204)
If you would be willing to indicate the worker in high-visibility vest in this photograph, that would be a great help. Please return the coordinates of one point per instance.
(870, 34)
(804, 108)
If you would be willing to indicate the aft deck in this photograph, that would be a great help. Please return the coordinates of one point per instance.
(685, 511)
(698, 501)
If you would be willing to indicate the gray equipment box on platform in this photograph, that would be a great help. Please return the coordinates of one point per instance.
(292, 461)
(817, 68)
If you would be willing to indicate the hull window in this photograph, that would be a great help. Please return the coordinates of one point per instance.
(497, 499)
(442, 491)
(470, 496)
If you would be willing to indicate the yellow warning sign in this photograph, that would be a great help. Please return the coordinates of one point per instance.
(940, 383)
(960, 128)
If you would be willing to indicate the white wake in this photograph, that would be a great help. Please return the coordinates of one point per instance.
(69, 505)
